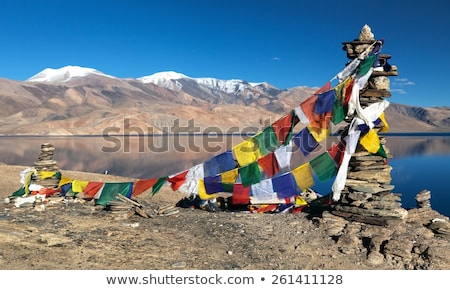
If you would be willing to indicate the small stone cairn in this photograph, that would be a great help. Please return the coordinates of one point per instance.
(45, 162)
(367, 195)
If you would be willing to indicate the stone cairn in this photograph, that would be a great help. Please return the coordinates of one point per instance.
(45, 162)
(367, 195)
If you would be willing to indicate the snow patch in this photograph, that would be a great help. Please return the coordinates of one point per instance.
(64, 74)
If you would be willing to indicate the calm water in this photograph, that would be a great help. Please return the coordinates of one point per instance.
(419, 162)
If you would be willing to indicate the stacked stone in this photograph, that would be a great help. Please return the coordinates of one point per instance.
(423, 199)
(45, 162)
(367, 195)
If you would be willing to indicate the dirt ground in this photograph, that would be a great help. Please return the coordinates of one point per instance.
(72, 235)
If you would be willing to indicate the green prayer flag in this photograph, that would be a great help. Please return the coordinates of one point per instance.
(228, 187)
(338, 114)
(382, 152)
(250, 174)
(158, 185)
(267, 141)
(324, 166)
(111, 189)
(19, 192)
(366, 64)
(293, 123)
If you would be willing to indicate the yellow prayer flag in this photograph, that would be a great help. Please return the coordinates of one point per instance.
(385, 123)
(64, 180)
(229, 176)
(202, 191)
(79, 186)
(319, 133)
(370, 141)
(46, 174)
(303, 176)
(246, 152)
(300, 201)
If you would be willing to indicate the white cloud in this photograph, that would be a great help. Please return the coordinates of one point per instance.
(276, 58)
(399, 91)
(403, 82)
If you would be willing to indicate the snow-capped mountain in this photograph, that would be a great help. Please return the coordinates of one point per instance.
(64, 74)
(170, 80)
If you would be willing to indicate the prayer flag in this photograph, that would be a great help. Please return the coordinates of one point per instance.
(262, 191)
(250, 174)
(177, 180)
(111, 189)
(269, 164)
(305, 141)
(338, 114)
(303, 176)
(323, 166)
(385, 123)
(285, 185)
(370, 141)
(230, 176)
(266, 140)
(283, 127)
(366, 65)
(337, 152)
(283, 154)
(301, 115)
(319, 134)
(79, 185)
(220, 163)
(142, 185)
(241, 194)
(213, 184)
(246, 152)
(324, 102)
(158, 185)
(92, 189)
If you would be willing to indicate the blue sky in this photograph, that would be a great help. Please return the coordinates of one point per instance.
(286, 43)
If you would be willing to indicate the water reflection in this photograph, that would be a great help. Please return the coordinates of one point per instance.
(419, 162)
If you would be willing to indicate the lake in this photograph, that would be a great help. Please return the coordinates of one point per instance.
(420, 161)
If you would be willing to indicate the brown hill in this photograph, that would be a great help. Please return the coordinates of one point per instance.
(96, 104)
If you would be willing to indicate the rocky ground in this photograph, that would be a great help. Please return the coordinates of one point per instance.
(71, 234)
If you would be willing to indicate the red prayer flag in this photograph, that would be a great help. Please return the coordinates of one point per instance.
(177, 180)
(241, 194)
(337, 152)
(269, 164)
(92, 188)
(142, 185)
(282, 127)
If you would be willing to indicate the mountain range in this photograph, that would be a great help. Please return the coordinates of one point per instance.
(75, 100)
